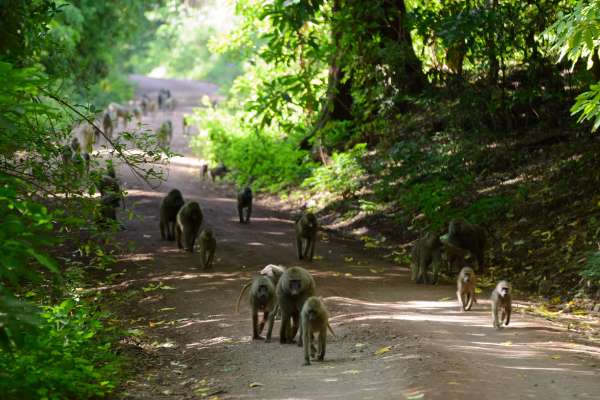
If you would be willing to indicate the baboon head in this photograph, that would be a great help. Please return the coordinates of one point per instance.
(503, 288)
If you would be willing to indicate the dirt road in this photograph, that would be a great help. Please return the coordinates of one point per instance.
(395, 339)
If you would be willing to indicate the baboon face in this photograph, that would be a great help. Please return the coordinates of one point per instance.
(175, 194)
(503, 289)
(207, 233)
(311, 221)
(263, 293)
(467, 277)
(247, 192)
(295, 286)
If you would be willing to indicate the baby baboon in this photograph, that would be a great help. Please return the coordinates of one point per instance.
(465, 288)
(467, 236)
(204, 170)
(169, 207)
(273, 272)
(262, 298)
(501, 303)
(218, 172)
(306, 234)
(244, 200)
(294, 287)
(425, 253)
(314, 318)
(107, 124)
(165, 133)
(208, 245)
(189, 219)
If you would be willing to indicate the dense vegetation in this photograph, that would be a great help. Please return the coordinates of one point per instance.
(421, 111)
(404, 113)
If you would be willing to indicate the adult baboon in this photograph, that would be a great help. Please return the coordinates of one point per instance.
(501, 303)
(165, 133)
(189, 220)
(120, 112)
(107, 124)
(219, 171)
(314, 318)
(294, 287)
(262, 298)
(244, 200)
(465, 288)
(306, 235)
(466, 236)
(204, 170)
(425, 253)
(169, 207)
(208, 246)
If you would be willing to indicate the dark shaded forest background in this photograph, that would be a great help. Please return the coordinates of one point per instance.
(389, 114)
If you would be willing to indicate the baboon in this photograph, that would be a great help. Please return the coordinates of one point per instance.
(204, 170)
(501, 303)
(120, 112)
(163, 95)
(294, 287)
(170, 104)
(244, 200)
(218, 171)
(426, 252)
(144, 104)
(165, 133)
(169, 207)
(137, 113)
(185, 125)
(152, 107)
(208, 246)
(262, 298)
(107, 124)
(314, 318)
(86, 135)
(110, 169)
(465, 288)
(467, 236)
(189, 220)
(108, 207)
(273, 272)
(66, 153)
(75, 146)
(107, 185)
(306, 233)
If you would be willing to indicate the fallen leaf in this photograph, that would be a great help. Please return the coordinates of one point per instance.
(453, 383)
(359, 345)
(256, 384)
(167, 309)
(347, 274)
(555, 357)
(318, 257)
(383, 350)
(147, 236)
(348, 259)
(509, 343)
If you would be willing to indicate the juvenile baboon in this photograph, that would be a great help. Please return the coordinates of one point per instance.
(208, 246)
(144, 104)
(165, 133)
(218, 171)
(273, 272)
(169, 207)
(314, 319)
(163, 95)
(294, 287)
(306, 235)
(262, 298)
(501, 303)
(244, 200)
(204, 170)
(467, 236)
(425, 253)
(137, 113)
(107, 124)
(465, 288)
(189, 220)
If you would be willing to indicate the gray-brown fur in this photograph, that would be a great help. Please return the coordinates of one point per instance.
(306, 228)
(294, 287)
(169, 207)
(189, 220)
(208, 246)
(467, 236)
(219, 171)
(244, 201)
(262, 298)
(164, 134)
(501, 299)
(465, 288)
(426, 253)
(314, 319)
(107, 124)
(273, 272)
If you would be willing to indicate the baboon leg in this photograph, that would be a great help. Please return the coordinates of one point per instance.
(508, 312)
(307, 343)
(270, 326)
(162, 230)
(248, 213)
(299, 247)
(294, 328)
(470, 299)
(262, 323)
(322, 344)
(284, 328)
(255, 331)
(313, 241)
(178, 237)
(210, 259)
(241, 213)
(495, 315)
(460, 301)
